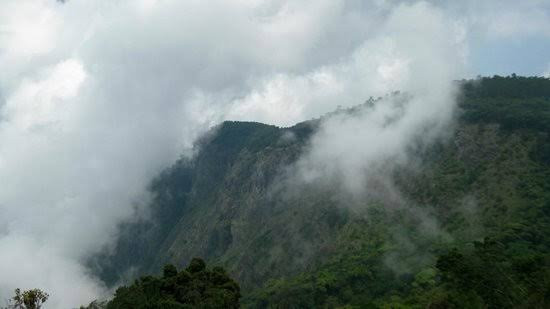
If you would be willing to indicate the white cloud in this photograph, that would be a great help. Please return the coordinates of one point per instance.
(27, 28)
(502, 19)
(547, 72)
(414, 52)
(516, 19)
(98, 96)
(38, 103)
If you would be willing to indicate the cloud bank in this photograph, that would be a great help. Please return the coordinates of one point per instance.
(96, 97)
(417, 51)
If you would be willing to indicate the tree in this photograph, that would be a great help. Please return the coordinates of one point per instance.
(194, 287)
(30, 299)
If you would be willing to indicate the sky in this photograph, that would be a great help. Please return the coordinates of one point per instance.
(524, 56)
(97, 97)
(505, 37)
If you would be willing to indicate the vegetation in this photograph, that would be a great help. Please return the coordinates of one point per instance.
(499, 252)
(513, 86)
(29, 299)
(194, 287)
(474, 231)
(489, 276)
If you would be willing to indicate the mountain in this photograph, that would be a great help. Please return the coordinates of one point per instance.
(470, 227)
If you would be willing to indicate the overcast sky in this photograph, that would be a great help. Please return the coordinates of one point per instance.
(96, 97)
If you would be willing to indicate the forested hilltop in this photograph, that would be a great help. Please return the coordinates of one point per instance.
(475, 232)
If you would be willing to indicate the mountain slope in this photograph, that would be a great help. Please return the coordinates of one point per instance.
(315, 246)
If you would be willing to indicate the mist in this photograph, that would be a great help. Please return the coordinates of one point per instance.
(97, 97)
(421, 61)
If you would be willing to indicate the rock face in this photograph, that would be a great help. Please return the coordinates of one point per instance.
(230, 205)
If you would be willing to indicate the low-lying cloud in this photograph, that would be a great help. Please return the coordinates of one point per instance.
(96, 97)
(417, 51)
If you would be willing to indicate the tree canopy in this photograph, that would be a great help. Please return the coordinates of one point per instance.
(194, 287)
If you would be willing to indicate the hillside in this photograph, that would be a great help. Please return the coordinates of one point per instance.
(471, 226)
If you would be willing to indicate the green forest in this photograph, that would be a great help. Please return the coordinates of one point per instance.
(487, 187)
(193, 287)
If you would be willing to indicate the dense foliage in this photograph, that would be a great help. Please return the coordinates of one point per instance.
(194, 287)
(474, 231)
(513, 86)
(492, 275)
(512, 102)
(497, 254)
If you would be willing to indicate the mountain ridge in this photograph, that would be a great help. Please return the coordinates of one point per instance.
(322, 248)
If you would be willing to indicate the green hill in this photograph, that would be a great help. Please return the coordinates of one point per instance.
(474, 232)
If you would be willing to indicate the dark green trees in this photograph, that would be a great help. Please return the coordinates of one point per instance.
(194, 287)
(496, 274)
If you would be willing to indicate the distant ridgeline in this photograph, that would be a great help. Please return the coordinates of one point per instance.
(486, 190)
